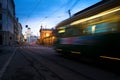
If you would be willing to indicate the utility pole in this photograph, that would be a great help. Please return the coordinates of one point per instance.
(69, 12)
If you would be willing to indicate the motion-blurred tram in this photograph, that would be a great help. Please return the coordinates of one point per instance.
(93, 32)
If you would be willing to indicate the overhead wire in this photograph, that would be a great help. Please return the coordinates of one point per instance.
(71, 8)
(58, 9)
(32, 11)
(54, 12)
(74, 4)
(64, 5)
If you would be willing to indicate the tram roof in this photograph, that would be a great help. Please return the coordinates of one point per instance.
(90, 11)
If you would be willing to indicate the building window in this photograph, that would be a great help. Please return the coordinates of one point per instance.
(0, 5)
(0, 26)
(1, 39)
(0, 16)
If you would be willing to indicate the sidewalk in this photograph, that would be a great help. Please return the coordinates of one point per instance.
(5, 53)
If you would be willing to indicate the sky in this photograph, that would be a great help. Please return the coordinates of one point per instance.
(47, 13)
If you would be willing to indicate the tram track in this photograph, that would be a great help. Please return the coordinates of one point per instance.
(93, 74)
(43, 71)
(64, 66)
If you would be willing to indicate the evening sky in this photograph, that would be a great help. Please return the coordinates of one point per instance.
(47, 13)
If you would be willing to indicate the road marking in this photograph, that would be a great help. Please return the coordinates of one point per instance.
(6, 64)
(107, 57)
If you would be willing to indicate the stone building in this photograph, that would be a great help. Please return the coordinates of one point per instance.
(46, 37)
(8, 22)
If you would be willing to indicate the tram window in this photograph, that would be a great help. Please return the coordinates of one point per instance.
(106, 27)
(61, 34)
(101, 28)
(90, 29)
(76, 32)
(72, 32)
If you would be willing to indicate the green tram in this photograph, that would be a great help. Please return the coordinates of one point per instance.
(93, 32)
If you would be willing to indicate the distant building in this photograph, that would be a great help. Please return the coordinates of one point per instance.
(28, 34)
(33, 39)
(20, 37)
(46, 37)
(8, 22)
(29, 38)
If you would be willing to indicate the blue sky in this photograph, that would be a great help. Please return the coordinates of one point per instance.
(48, 13)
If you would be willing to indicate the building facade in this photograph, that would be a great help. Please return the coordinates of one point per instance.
(20, 37)
(47, 37)
(8, 22)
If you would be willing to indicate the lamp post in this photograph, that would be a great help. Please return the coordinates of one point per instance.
(69, 12)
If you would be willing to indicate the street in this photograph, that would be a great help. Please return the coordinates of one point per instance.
(43, 63)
